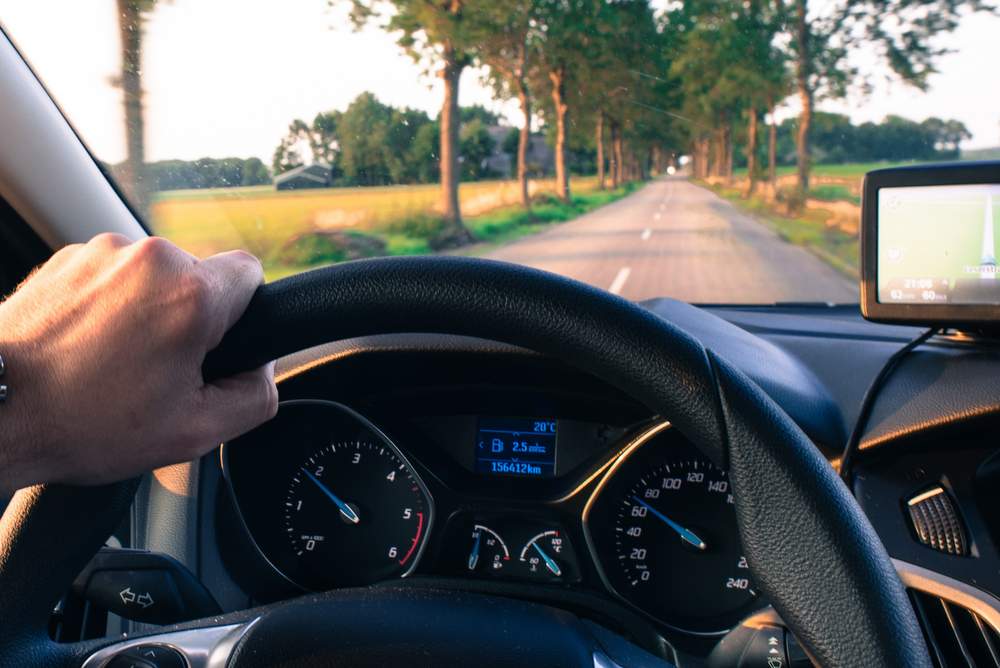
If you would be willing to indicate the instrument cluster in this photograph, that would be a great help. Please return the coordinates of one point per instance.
(630, 511)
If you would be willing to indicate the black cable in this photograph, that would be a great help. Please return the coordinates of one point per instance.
(868, 403)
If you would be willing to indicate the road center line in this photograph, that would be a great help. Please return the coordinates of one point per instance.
(646, 234)
(669, 196)
(619, 282)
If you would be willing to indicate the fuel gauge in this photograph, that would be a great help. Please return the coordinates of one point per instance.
(488, 552)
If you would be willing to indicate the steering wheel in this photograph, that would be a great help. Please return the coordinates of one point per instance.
(809, 546)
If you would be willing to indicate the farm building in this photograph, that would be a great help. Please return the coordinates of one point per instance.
(541, 158)
(317, 175)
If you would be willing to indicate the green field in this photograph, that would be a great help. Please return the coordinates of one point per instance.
(293, 231)
(850, 170)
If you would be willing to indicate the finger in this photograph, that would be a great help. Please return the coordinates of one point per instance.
(237, 404)
(235, 276)
(108, 241)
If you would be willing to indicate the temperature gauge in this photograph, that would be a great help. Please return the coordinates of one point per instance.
(542, 554)
(488, 553)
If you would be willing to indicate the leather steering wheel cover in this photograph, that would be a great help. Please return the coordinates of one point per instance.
(811, 549)
(809, 545)
(819, 558)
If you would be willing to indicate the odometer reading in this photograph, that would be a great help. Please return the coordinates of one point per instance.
(354, 513)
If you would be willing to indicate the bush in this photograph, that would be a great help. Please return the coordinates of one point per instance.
(317, 248)
(792, 199)
(420, 226)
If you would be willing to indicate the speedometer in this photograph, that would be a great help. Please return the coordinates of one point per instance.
(664, 529)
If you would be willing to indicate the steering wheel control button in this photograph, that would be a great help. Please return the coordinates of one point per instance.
(937, 523)
(129, 661)
(766, 649)
(149, 656)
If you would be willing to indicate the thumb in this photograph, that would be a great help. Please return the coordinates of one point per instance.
(237, 404)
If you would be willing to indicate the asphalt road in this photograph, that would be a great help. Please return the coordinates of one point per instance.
(675, 239)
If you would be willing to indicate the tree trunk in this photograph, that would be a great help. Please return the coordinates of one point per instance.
(451, 73)
(805, 94)
(130, 32)
(718, 168)
(522, 144)
(617, 151)
(558, 79)
(599, 141)
(613, 156)
(728, 167)
(752, 152)
(772, 151)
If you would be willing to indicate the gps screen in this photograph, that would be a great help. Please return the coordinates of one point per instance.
(938, 244)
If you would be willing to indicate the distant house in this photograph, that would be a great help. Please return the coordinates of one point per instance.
(317, 175)
(541, 158)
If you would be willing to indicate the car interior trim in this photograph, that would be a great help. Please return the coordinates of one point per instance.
(925, 580)
(208, 647)
(43, 155)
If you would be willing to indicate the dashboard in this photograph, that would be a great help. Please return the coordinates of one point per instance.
(473, 466)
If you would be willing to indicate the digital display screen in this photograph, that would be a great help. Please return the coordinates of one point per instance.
(938, 244)
(523, 447)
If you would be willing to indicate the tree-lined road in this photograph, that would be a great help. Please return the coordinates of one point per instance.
(675, 239)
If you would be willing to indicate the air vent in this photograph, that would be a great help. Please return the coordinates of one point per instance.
(936, 521)
(956, 636)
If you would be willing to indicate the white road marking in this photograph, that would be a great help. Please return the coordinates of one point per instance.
(670, 194)
(619, 282)
(646, 234)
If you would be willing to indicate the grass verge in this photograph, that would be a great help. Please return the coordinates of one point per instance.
(415, 235)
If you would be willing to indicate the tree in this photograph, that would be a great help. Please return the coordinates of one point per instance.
(131, 15)
(902, 32)
(320, 138)
(424, 154)
(437, 30)
(505, 32)
(476, 145)
(364, 129)
(714, 82)
(288, 154)
(566, 27)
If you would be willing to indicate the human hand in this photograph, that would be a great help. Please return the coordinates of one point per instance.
(104, 346)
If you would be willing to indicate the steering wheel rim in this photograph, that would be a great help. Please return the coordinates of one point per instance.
(810, 547)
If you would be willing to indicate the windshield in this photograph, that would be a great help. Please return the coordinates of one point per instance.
(706, 150)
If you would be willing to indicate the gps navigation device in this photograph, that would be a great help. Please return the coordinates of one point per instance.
(930, 238)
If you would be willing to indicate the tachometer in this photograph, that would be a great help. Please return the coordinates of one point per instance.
(353, 513)
(329, 500)
(664, 529)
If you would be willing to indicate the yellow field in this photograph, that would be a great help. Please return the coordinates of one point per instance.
(260, 219)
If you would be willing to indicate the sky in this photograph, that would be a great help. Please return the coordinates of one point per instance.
(226, 77)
